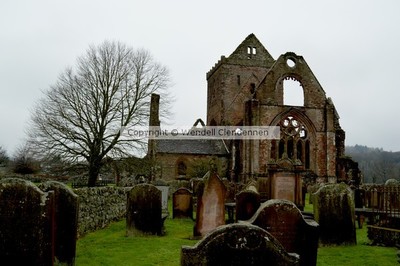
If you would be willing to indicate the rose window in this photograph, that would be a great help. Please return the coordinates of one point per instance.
(291, 127)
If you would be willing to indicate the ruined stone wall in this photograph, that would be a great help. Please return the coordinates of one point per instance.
(271, 88)
(247, 88)
(99, 206)
(322, 139)
(233, 80)
(228, 88)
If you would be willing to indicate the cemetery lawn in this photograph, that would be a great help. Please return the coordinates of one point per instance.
(109, 246)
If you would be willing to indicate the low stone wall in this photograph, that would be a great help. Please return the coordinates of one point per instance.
(99, 206)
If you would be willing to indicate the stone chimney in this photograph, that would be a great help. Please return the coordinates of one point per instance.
(154, 110)
(154, 121)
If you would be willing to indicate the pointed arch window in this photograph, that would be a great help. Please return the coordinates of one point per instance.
(290, 148)
(293, 93)
(294, 143)
(307, 155)
(299, 147)
(281, 148)
(273, 149)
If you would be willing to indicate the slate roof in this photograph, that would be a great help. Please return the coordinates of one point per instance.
(192, 146)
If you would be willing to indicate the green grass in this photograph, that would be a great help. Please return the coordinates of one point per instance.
(110, 246)
(361, 254)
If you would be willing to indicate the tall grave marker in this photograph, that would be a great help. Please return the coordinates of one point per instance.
(182, 203)
(210, 211)
(285, 222)
(26, 224)
(247, 202)
(164, 188)
(143, 210)
(334, 211)
(66, 221)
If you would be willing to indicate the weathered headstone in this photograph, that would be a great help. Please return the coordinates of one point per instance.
(285, 222)
(392, 182)
(286, 181)
(390, 193)
(66, 221)
(164, 188)
(247, 203)
(26, 224)
(371, 196)
(210, 211)
(263, 185)
(359, 198)
(334, 211)
(284, 186)
(143, 210)
(182, 201)
(230, 190)
(375, 198)
(237, 244)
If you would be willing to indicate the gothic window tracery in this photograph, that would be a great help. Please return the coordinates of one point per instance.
(294, 143)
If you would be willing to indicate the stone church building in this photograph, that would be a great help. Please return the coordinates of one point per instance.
(247, 88)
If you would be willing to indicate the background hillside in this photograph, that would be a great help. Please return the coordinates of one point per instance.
(376, 165)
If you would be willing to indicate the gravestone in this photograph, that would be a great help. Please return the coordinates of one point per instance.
(284, 186)
(391, 196)
(334, 211)
(230, 190)
(182, 201)
(26, 224)
(359, 197)
(210, 212)
(237, 244)
(263, 185)
(247, 202)
(371, 196)
(286, 181)
(375, 198)
(283, 220)
(143, 210)
(66, 221)
(164, 188)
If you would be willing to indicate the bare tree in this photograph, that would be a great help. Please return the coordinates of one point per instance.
(24, 162)
(81, 116)
(3, 157)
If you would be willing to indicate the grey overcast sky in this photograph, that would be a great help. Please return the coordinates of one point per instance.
(352, 47)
